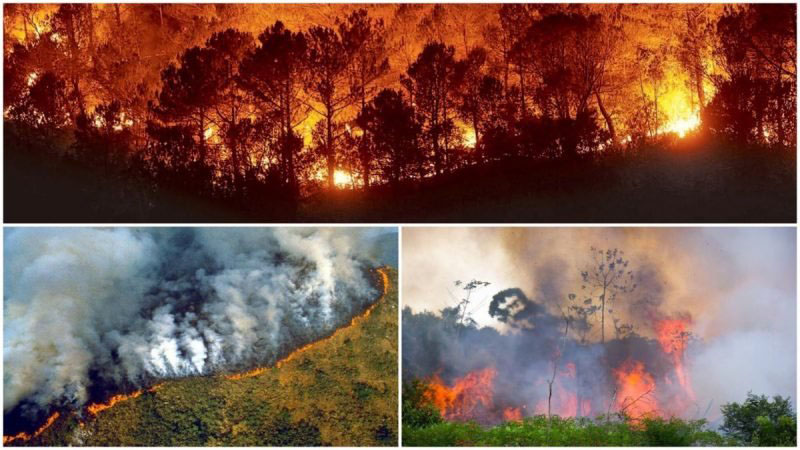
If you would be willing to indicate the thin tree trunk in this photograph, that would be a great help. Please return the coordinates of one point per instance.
(609, 121)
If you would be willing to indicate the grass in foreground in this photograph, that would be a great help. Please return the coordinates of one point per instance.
(539, 431)
(342, 392)
(758, 421)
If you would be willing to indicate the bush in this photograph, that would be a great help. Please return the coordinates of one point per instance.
(417, 412)
(759, 421)
(556, 431)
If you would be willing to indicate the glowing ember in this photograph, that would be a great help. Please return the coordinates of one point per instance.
(635, 390)
(467, 397)
(31, 78)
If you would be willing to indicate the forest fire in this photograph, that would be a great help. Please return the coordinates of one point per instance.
(556, 361)
(673, 335)
(95, 408)
(635, 392)
(26, 437)
(467, 398)
(354, 321)
(359, 104)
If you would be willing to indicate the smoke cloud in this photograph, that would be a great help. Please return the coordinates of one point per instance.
(734, 287)
(90, 311)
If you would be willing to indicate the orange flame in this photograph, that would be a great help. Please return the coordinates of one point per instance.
(96, 408)
(635, 390)
(564, 402)
(465, 396)
(26, 437)
(512, 414)
(673, 337)
(355, 321)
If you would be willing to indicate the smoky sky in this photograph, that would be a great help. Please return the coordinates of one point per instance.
(736, 284)
(125, 306)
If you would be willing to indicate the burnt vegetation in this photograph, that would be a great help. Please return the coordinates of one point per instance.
(400, 112)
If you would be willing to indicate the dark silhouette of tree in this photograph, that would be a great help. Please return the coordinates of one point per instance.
(188, 95)
(232, 111)
(755, 100)
(273, 74)
(72, 24)
(326, 83)
(432, 81)
(604, 280)
(46, 104)
(472, 106)
(364, 40)
(393, 133)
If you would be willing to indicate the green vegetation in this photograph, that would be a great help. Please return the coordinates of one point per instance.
(539, 431)
(756, 422)
(340, 392)
(760, 422)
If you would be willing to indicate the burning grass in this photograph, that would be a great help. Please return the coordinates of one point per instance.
(341, 391)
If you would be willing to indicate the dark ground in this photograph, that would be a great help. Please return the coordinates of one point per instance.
(683, 182)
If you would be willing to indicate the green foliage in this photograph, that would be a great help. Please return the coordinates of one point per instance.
(416, 411)
(556, 431)
(761, 422)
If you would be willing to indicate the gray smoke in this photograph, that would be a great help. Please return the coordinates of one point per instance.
(121, 307)
(736, 285)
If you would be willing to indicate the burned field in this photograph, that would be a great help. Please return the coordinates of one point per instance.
(400, 113)
(344, 374)
(613, 359)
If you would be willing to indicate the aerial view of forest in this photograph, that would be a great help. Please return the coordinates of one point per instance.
(599, 337)
(399, 113)
(200, 337)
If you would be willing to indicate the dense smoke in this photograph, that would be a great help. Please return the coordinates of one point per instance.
(732, 289)
(96, 310)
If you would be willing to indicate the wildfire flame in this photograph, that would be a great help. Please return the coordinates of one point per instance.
(462, 400)
(674, 338)
(95, 408)
(512, 414)
(26, 437)
(635, 390)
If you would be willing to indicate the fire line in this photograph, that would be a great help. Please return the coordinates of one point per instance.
(96, 408)
(356, 320)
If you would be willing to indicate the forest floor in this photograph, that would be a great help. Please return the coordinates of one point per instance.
(686, 182)
(340, 391)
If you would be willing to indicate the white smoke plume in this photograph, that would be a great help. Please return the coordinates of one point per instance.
(121, 307)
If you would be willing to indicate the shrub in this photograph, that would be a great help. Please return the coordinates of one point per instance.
(759, 421)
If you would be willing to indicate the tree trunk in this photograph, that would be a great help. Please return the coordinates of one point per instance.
(330, 149)
(609, 121)
(603, 317)
(117, 15)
